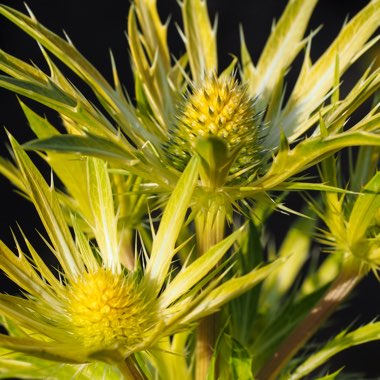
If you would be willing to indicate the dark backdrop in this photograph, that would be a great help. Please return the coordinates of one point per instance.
(96, 27)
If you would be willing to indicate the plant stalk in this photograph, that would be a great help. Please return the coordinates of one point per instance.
(210, 228)
(338, 291)
(129, 369)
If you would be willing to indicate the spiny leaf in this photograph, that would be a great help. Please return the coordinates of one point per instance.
(121, 111)
(45, 200)
(312, 87)
(39, 125)
(22, 273)
(95, 146)
(83, 244)
(48, 94)
(363, 89)
(199, 38)
(9, 171)
(31, 315)
(42, 268)
(309, 152)
(61, 48)
(51, 95)
(104, 218)
(46, 350)
(18, 69)
(170, 225)
(70, 168)
(344, 340)
(154, 33)
(281, 48)
(249, 71)
(331, 376)
(229, 290)
(87, 145)
(364, 210)
(151, 71)
(190, 275)
(20, 366)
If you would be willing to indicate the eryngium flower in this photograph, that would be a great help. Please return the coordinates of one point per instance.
(301, 127)
(104, 309)
(93, 308)
(222, 108)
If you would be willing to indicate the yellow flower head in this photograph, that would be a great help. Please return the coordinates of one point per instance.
(221, 108)
(107, 309)
(97, 309)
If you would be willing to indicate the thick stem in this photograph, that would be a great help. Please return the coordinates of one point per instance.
(337, 292)
(206, 338)
(210, 225)
(129, 370)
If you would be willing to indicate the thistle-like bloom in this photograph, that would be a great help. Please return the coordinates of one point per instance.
(105, 309)
(352, 225)
(210, 140)
(220, 108)
(157, 135)
(93, 308)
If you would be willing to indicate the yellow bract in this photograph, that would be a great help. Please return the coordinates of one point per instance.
(107, 309)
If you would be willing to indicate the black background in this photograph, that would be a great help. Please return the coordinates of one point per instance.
(96, 27)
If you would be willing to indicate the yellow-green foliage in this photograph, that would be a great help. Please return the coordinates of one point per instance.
(166, 267)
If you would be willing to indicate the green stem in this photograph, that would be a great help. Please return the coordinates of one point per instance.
(337, 292)
(130, 370)
(210, 226)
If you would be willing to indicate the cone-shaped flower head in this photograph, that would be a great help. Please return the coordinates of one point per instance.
(153, 137)
(218, 108)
